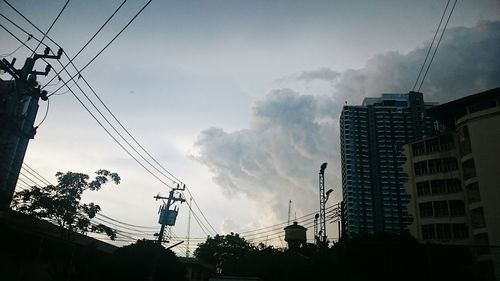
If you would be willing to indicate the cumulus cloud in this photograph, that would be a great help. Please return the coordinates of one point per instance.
(277, 158)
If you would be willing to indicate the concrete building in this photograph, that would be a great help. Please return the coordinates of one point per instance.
(372, 135)
(454, 179)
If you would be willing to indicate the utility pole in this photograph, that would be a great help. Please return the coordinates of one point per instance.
(18, 109)
(168, 216)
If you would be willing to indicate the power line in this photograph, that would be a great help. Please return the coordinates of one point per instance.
(31, 173)
(96, 119)
(92, 103)
(84, 46)
(430, 46)
(437, 46)
(45, 115)
(110, 42)
(44, 179)
(17, 49)
(283, 223)
(116, 119)
(52, 25)
(127, 224)
(200, 224)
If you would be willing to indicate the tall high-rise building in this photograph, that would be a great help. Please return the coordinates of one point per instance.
(372, 135)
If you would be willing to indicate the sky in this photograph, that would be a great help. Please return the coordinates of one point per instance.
(240, 99)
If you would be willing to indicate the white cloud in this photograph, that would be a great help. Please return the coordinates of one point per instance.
(291, 134)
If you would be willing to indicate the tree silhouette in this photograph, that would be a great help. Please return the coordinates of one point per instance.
(224, 251)
(61, 203)
(144, 260)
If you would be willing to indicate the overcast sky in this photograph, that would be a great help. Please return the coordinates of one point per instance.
(241, 99)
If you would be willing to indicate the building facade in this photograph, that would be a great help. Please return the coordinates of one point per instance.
(454, 179)
(372, 135)
(435, 184)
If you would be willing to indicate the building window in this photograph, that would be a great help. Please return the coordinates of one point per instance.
(453, 185)
(438, 186)
(473, 194)
(443, 231)
(464, 141)
(469, 169)
(446, 142)
(434, 166)
(460, 231)
(423, 188)
(457, 207)
(440, 208)
(428, 232)
(418, 148)
(420, 168)
(477, 218)
(432, 145)
(483, 243)
(426, 209)
(449, 164)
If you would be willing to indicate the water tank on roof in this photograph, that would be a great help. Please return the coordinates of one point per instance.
(295, 235)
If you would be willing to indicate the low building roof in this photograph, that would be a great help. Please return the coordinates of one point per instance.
(448, 113)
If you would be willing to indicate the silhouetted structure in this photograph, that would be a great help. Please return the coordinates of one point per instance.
(454, 179)
(18, 109)
(295, 236)
(372, 135)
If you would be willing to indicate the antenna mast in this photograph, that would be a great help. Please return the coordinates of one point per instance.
(322, 203)
(289, 210)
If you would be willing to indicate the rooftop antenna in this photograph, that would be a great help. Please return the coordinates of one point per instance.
(189, 228)
(289, 210)
(322, 203)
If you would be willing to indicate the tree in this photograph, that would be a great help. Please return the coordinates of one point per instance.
(144, 260)
(62, 202)
(224, 251)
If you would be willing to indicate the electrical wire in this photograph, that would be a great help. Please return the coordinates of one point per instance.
(286, 222)
(97, 120)
(16, 25)
(52, 25)
(67, 91)
(110, 42)
(121, 125)
(39, 176)
(45, 115)
(430, 46)
(127, 224)
(200, 224)
(86, 44)
(437, 46)
(196, 204)
(17, 49)
(31, 173)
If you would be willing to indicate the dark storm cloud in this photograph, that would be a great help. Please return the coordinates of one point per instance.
(292, 133)
(466, 62)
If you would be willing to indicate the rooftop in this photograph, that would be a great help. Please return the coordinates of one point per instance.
(448, 113)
